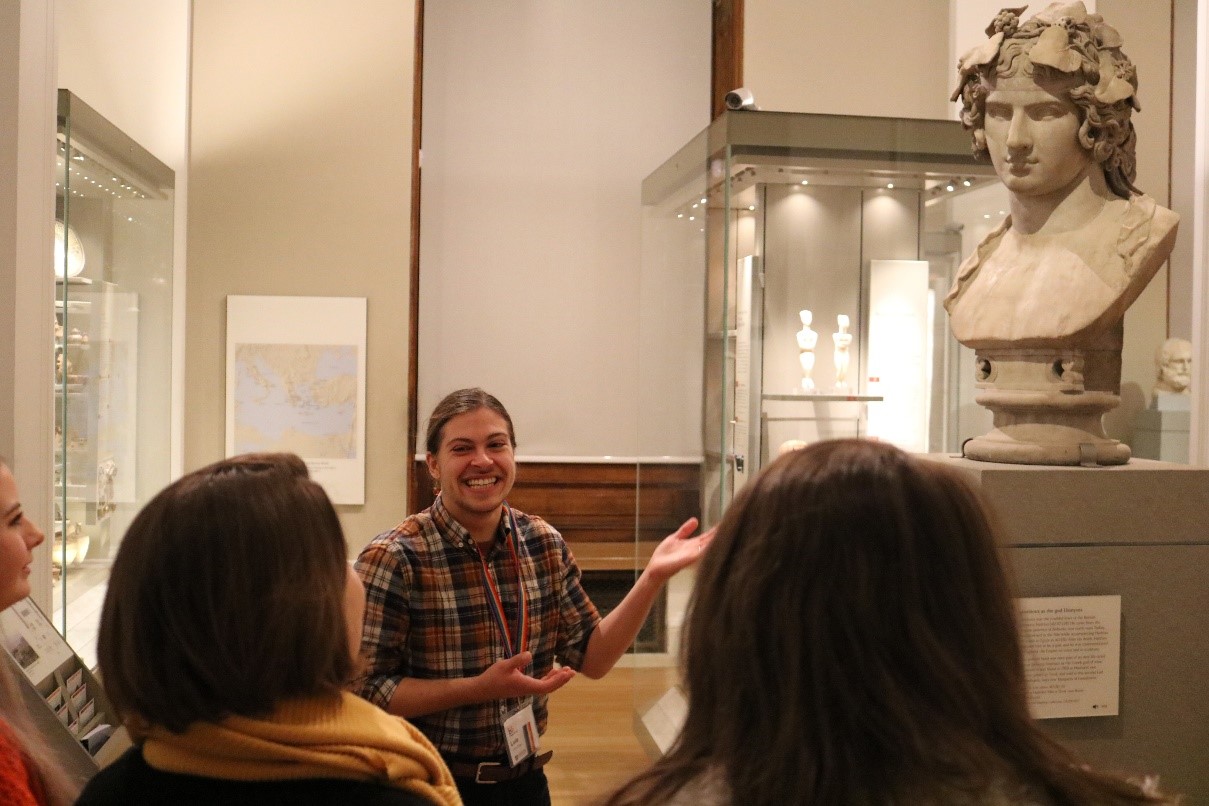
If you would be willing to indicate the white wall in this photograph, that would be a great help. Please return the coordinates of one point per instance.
(1184, 98)
(27, 132)
(541, 118)
(1199, 233)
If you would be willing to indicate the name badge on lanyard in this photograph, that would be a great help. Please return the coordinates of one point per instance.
(520, 727)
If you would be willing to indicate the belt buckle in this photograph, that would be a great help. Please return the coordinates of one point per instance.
(478, 773)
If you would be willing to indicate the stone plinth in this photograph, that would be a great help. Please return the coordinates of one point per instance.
(1140, 531)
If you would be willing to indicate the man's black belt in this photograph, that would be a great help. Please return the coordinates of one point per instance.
(496, 772)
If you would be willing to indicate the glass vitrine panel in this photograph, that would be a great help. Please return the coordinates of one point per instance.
(794, 267)
(113, 326)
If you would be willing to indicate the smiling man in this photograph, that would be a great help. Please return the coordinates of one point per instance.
(471, 602)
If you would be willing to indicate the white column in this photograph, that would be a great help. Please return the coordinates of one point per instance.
(1198, 230)
(27, 147)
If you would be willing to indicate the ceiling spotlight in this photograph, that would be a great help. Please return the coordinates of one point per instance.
(966, 182)
(751, 207)
(949, 187)
(889, 186)
(805, 181)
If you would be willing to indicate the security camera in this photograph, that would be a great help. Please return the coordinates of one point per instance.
(740, 99)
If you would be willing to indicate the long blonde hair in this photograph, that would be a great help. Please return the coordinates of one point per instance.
(60, 789)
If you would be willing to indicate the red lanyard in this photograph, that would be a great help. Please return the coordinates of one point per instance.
(496, 604)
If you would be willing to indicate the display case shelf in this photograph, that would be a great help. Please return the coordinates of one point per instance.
(808, 397)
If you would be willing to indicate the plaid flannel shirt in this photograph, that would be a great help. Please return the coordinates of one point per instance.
(427, 617)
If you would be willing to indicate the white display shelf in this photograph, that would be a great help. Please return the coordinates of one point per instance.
(822, 398)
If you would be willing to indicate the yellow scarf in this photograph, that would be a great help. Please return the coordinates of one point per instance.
(325, 737)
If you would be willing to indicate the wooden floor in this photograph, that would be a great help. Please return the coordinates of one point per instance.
(591, 731)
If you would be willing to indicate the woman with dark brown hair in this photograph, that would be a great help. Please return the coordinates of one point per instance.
(853, 641)
(229, 631)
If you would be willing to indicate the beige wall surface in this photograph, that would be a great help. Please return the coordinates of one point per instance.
(128, 60)
(301, 177)
(1146, 29)
(879, 57)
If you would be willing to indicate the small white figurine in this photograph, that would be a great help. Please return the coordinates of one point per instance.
(842, 339)
(807, 339)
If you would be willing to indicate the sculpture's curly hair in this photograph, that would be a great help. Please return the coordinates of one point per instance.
(1106, 130)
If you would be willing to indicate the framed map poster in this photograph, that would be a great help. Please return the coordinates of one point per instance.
(296, 383)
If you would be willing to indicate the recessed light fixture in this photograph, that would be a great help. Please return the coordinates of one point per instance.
(889, 186)
(703, 200)
(966, 182)
(805, 181)
(949, 187)
(751, 207)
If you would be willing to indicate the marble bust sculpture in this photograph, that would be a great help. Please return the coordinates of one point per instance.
(1173, 362)
(1043, 297)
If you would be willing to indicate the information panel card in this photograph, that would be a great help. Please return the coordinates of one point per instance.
(1072, 655)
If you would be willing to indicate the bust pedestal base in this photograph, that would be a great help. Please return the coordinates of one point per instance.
(1047, 428)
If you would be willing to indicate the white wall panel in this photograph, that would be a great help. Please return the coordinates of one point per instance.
(541, 118)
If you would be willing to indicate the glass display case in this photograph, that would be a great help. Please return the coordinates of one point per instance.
(113, 326)
(793, 271)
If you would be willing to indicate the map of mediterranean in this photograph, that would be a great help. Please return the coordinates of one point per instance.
(300, 398)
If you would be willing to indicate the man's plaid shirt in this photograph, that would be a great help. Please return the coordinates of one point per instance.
(427, 616)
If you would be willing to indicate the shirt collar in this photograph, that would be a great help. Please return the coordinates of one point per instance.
(455, 533)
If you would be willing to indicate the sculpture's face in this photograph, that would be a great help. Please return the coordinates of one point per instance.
(1032, 135)
(1176, 370)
